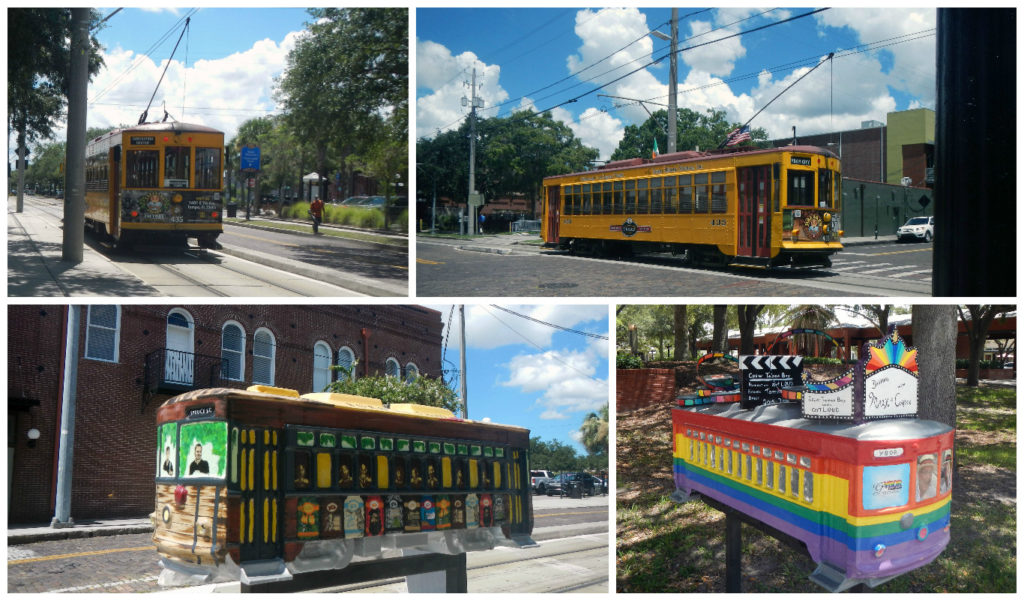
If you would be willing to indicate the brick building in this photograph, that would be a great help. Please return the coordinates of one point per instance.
(133, 357)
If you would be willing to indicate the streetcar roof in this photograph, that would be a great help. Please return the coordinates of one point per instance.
(788, 415)
(689, 156)
(157, 127)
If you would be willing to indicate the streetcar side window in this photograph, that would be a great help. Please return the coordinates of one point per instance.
(824, 188)
(800, 188)
(617, 202)
(656, 196)
(700, 181)
(208, 168)
(176, 166)
(630, 197)
(927, 476)
(947, 471)
(567, 199)
(141, 168)
(642, 204)
(670, 196)
(685, 194)
(577, 199)
(585, 204)
(607, 204)
(718, 199)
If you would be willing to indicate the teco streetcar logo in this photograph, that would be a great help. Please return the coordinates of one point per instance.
(630, 228)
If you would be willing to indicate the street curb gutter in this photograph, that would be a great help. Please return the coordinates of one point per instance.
(44, 534)
(347, 281)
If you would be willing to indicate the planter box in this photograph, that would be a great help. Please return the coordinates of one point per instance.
(636, 388)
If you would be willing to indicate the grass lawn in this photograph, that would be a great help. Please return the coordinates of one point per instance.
(662, 546)
(327, 231)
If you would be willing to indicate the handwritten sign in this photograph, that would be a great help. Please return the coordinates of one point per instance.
(890, 392)
(832, 404)
(762, 377)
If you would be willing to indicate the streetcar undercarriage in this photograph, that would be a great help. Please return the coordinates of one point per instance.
(695, 254)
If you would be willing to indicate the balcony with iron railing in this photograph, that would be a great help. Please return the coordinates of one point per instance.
(169, 372)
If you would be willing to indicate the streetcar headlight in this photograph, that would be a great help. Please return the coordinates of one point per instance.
(826, 217)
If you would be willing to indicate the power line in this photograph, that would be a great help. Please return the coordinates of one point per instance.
(552, 325)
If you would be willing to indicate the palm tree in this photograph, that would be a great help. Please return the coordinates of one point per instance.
(594, 431)
(809, 316)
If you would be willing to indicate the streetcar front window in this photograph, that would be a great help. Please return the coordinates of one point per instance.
(141, 168)
(208, 168)
(176, 169)
(800, 188)
(927, 476)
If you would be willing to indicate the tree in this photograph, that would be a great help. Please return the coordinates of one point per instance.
(351, 69)
(38, 59)
(809, 316)
(878, 314)
(934, 329)
(977, 326)
(594, 432)
(682, 350)
(694, 131)
(720, 334)
(747, 315)
(552, 455)
(392, 390)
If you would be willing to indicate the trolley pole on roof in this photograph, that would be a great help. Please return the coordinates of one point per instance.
(462, 360)
(74, 177)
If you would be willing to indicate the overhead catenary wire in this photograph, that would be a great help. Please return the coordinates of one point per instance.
(552, 325)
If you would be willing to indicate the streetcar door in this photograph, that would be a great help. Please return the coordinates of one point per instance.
(552, 214)
(261, 510)
(754, 212)
(114, 189)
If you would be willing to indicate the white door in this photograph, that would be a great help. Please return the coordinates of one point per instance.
(180, 358)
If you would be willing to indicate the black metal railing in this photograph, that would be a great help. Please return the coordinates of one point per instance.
(170, 371)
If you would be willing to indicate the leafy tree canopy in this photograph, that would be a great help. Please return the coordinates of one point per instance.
(694, 130)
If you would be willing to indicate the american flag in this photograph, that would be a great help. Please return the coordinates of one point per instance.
(740, 134)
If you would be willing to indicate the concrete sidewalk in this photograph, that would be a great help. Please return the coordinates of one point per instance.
(35, 267)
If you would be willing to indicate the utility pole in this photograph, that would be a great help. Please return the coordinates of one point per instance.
(474, 199)
(66, 447)
(673, 84)
(462, 360)
(74, 182)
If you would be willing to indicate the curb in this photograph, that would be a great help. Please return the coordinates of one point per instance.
(310, 232)
(44, 534)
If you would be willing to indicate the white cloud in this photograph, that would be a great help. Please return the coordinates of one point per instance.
(449, 77)
(564, 379)
(220, 93)
(488, 327)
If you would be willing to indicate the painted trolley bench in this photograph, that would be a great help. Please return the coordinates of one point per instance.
(843, 466)
(261, 483)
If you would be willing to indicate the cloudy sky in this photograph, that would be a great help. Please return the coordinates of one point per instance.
(530, 374)
(221, 75)
(546, 58)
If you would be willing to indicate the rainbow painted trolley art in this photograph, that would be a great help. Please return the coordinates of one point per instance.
(843, 466)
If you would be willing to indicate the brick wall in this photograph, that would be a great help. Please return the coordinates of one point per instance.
(636, 388)
(114, 458)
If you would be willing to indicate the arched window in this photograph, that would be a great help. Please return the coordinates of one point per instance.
(232, 351)
(392, 368)
(321, 366)
(263, 350)
(179, 347)
(347, 362)
(103, 332)
(411, 372)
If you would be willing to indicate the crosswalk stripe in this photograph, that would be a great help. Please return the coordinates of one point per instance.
(881, 270)
(909, 273)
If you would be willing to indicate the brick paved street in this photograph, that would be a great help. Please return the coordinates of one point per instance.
(121, 563)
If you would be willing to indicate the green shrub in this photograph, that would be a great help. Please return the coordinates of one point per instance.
(624, 360)
(391, 390)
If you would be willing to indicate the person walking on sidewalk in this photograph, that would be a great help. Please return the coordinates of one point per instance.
(316, 210)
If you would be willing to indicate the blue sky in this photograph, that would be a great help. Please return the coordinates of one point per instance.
(541, 58)
(221, 75)
(531, 375)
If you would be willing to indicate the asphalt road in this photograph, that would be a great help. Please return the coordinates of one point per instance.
(459, 269)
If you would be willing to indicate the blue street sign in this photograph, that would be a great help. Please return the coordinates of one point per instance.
(250, 160)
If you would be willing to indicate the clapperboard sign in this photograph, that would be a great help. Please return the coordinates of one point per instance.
(762, 377)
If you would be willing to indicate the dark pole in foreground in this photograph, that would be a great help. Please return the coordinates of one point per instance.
(74, 182)
(733, 547)
(975, 153)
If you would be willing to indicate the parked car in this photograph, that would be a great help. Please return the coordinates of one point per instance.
(917, 228)
(539, 481)
(571, 484)
(353, 200)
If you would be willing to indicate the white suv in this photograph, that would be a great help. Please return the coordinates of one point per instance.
(917, 228)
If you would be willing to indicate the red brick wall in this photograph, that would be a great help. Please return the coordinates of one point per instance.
(115, 432)
(636, 388)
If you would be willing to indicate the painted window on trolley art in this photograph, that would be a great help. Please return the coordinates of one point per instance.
(202, 448)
